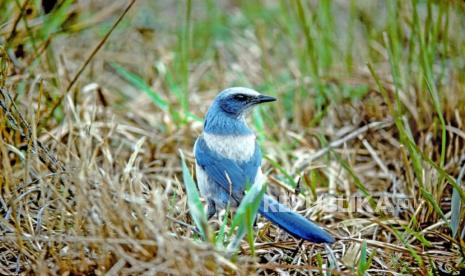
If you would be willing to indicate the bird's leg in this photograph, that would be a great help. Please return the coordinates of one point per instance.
(296, 250)
(211, 208)
(255, 220)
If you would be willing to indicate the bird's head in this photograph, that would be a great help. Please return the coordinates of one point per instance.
(237, 101)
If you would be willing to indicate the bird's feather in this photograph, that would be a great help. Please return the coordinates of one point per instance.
(231, 175)
(292, 222)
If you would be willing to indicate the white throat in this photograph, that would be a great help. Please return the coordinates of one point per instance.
(235, 147)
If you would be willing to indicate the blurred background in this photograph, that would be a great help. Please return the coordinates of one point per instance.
(96, 104)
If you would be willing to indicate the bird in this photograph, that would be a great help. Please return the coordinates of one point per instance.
(228, 159)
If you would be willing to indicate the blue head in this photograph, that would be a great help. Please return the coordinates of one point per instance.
(226, 114)
(237, 101)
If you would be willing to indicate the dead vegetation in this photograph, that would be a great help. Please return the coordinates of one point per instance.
(90, 172)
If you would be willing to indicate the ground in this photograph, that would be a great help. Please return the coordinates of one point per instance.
(100, 98)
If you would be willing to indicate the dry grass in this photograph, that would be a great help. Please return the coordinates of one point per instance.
(93, 185)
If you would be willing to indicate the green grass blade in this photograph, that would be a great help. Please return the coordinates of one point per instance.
(437, 106)
(219, 239)
(183, 55)
(140, 84)
(193, 200)
(357, 180)
(54, 20)
(429, 197)
(440, 170)
(418, 236)
(416, 256)
(456, 204)
(319, 261)
(363, 264)
(245, 216)
(282, 170)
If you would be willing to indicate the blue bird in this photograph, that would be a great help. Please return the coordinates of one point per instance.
(228, 157)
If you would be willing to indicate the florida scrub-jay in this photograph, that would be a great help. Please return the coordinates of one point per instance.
(228, 157)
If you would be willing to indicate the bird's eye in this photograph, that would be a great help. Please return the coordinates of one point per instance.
(240, 97)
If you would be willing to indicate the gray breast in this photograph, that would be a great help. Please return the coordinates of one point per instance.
(235, 147)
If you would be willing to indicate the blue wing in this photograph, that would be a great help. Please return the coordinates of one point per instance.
(230, 175)
(292, 222)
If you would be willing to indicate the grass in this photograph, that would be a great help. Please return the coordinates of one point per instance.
(367, 137)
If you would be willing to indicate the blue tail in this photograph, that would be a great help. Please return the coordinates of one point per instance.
(293, 223)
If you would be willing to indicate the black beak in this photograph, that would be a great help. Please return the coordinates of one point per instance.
(264, 99)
